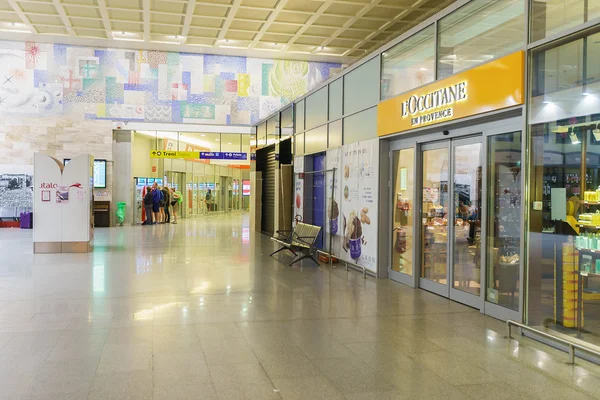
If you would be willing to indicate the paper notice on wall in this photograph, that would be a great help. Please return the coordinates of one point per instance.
(298, 188)
(359, 187)
(333, 193)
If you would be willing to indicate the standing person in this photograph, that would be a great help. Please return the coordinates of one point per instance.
(167, 204)
(148, 206)
(207, 199)
(176, 200)
(161, 206)
(156, 198)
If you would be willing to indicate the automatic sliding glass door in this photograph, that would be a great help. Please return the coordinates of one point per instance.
(451, 173)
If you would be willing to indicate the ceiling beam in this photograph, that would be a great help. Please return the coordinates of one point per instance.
(105, 19)
(349, 23)
(230, 14)
(63, 16)
(189, 13)
(21, 15)
(146, 14)
(268, 22)
(308, 23)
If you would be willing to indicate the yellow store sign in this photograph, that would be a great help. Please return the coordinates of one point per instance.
(174, 154)
(489, 87)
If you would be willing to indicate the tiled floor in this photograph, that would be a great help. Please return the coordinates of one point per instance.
(199, 311)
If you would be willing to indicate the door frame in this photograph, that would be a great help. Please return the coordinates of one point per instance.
(485, 129)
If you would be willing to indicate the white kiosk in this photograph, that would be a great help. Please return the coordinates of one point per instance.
(63, 216)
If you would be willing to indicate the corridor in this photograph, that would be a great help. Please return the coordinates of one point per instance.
(199, 310)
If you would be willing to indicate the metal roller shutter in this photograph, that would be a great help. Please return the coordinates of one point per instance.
(267, 164)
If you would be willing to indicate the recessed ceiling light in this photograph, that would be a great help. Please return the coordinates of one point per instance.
(217, 139)
(585, 93)
(424, 69)
(203, 135)
(229, 143)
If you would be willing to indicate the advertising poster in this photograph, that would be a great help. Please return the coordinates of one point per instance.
(333, 198)
(298, 188)
(360, 163)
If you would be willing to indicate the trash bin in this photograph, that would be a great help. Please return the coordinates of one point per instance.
(26, 220)
(121, 212)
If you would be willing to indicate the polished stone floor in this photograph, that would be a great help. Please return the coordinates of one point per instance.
(199, 311)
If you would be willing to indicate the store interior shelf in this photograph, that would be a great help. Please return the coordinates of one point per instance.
(588, 226)
(589, 250)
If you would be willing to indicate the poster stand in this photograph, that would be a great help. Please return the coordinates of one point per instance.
(63, 204)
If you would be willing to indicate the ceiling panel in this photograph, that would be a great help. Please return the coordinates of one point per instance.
(326, 29)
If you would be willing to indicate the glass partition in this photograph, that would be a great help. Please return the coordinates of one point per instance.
(409, 64)
(195, 141)
(403, 225)
(504, 219)
(335, 99)
(361, 86)
(273, 129)
(300, 116)
(287, 122)
(478, 32)
(549, 17)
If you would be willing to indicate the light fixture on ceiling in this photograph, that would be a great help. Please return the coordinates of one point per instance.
(226, 40)
(217, 139)
(229, 143)
(574, 138)
(424, 69)
(251, 137)
(585, 93)
(203, 135)
(319, 48)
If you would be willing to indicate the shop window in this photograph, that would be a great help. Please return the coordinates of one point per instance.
(479, 31)
(549, 17)
(409, 64)
(564, 189)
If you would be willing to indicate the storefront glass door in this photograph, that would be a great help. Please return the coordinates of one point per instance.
(450, 219)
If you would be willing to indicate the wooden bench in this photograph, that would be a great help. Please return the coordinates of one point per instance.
(300, 240)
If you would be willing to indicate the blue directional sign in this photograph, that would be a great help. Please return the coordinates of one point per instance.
(211, 155)
(220, 155)
(235, 156)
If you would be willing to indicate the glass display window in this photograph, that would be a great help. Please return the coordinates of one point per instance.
(564, 189)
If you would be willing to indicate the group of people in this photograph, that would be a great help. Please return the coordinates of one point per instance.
(158, 203)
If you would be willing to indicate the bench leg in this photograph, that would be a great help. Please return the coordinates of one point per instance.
(282, 249)
(309, 255)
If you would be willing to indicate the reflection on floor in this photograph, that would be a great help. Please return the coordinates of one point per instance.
(199, 310)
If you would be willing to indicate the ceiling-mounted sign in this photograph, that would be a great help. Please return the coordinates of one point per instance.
(492, 86)
(223, 155)
(173, 154)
